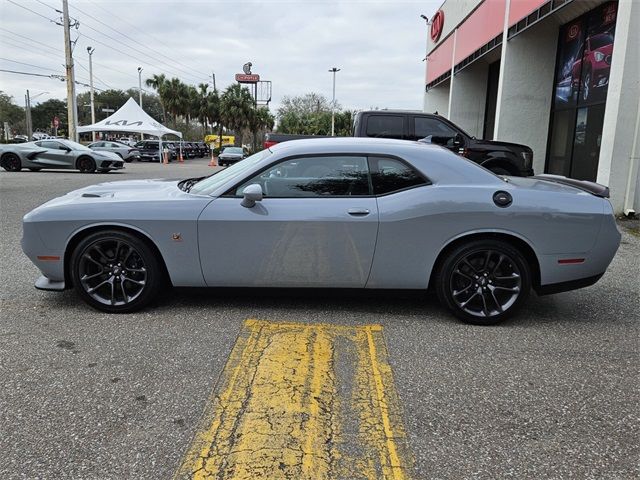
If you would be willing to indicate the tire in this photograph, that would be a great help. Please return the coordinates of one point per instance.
(35, 169)
(86, 165)
(115, 272)
(128, 160)
(503, 279)
(11, 162)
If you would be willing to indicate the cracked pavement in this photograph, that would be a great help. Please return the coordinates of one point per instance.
(551, 394)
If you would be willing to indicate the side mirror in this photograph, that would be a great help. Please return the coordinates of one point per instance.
(458, 141)
(251, 194)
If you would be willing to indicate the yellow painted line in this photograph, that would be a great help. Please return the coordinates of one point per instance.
(396, 464)
(278, 410)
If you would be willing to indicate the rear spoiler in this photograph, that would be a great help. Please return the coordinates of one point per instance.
(590, 187)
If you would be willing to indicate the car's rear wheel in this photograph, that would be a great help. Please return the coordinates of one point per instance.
(11, 162)
(484, 281)
(86, 165)
(115, 272)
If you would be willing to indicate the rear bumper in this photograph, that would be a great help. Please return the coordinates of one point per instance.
(567, 286)
(44, 283)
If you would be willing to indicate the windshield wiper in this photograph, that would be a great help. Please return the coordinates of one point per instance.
(187, 184)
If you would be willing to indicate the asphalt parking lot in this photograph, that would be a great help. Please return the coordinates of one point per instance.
(551, 394)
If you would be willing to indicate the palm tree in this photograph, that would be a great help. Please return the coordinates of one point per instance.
(175, 93)
(236, 108)
(158, 83)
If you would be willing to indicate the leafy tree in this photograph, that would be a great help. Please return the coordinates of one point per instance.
(11, 113)
(236, 107)
(43, 113)
(310, 114)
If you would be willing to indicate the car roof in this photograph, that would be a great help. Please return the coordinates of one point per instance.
(351, 144)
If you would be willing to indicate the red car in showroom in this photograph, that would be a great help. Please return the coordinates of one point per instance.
(594, 65)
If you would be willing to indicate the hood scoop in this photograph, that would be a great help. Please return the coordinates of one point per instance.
(97, 195)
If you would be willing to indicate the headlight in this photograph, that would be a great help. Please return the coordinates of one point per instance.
(599, 56)
(527, 156)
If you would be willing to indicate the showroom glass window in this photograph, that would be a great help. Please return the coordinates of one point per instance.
(585, 48)
(321, 176)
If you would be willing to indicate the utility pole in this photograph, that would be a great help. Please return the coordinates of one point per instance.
(213, 75)
(71, 80)
(334, 70)
(140, 85)
(27, 105)
(90, 50)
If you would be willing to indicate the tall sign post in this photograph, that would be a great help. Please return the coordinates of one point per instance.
(90, 51)
(334, 70)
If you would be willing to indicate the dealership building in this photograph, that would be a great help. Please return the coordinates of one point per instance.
(561, 76)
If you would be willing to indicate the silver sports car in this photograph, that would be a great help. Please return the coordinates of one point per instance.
(347, 213)
(56, 154)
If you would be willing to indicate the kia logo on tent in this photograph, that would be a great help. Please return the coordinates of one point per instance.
(437, 22)
(122, 123)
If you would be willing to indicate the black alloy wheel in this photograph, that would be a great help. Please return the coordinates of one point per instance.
(11, 162)
(484, 282)
(86, 165)
(115, 272)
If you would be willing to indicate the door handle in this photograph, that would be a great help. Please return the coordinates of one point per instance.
(358, 212)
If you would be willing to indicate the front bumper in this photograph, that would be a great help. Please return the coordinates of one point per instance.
(110, 164)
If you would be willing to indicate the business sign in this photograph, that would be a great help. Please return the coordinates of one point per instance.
(437, 24)
(56, 122)
(247, 78)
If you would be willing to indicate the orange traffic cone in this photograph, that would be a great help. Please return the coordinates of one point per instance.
(213, 162)
(165, 160)
(180, 158)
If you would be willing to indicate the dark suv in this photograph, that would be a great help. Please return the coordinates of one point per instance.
(149, 150)
(502, 158)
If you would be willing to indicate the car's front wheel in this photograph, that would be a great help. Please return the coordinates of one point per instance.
(484, 281)
(86, 165)
(115, 271)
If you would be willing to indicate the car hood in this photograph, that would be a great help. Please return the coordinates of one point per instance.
(496, 143)
(121, 191)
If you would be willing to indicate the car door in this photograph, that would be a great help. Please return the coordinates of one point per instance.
(56, 155)
(315, 226)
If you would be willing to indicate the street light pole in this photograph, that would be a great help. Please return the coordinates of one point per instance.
(90, 51)
(334, 70)
(140, 85)
(27, 104)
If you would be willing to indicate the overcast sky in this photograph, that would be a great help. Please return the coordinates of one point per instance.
(377, 44)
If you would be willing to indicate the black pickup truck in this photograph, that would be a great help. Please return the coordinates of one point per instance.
(502, 158)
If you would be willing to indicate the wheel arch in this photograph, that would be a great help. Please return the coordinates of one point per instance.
(514, 240)
(83, 232)
(503, 162)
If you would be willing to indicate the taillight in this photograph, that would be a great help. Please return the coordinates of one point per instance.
(269, 144)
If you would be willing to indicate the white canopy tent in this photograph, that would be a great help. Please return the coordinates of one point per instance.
(131, 118)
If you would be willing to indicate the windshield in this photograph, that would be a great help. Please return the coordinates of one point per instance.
(232, 150)
(74, 145)
(235, 171)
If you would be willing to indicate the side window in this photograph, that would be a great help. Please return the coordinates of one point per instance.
(313, 177)
(426, 126)
(49, 144)
(385, 126)
(391, 175)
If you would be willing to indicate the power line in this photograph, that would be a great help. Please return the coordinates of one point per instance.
(47, 5)
(94, 75)
(33, 11)
(28, 64)
(24, 48)
(58, 77)
(131, 38)
(23, 37)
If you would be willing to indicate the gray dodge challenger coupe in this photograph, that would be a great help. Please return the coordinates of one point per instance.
(345, 213)
(57, 154)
